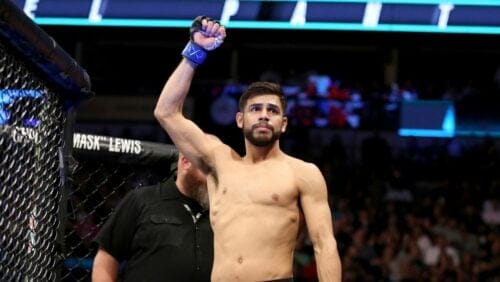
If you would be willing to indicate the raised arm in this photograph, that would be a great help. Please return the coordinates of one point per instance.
(314, 201)
(206, 35)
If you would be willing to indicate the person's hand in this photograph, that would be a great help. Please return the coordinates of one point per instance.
(207, 33)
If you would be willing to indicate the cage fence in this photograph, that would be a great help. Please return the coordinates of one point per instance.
(39, 86)
(31, 123)
(104, 169)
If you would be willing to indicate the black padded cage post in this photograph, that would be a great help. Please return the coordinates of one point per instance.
(104, 169)
(40, 84)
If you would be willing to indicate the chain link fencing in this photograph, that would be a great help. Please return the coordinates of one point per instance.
(39, 86)
(104, 170)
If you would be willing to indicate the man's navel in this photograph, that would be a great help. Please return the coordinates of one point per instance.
(275, 197)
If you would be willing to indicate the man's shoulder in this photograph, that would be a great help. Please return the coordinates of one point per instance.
(299, 163)
(146, 190)
(303, 169)
(223, 150)
(155, 192)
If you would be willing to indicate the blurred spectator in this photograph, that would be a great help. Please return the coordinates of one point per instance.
(440, 251)
(491, 211)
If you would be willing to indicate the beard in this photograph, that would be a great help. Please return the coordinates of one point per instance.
(197, 189)
(200, 194)
(261, 140)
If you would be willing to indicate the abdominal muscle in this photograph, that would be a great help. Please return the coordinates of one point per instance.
(255, 219)
(254, 242)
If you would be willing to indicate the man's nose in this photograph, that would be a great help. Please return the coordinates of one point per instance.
(264, 115)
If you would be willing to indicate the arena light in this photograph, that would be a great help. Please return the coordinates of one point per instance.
(433, 16)
(10, 96)
(427, 119)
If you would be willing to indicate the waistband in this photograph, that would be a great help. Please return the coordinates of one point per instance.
(281, 280)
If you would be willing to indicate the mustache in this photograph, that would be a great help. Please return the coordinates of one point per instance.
(263, 124)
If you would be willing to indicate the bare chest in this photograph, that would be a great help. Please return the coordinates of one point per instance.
(257, 184)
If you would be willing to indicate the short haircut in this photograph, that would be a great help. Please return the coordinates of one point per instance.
(262, 88)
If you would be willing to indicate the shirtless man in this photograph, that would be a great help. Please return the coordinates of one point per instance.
(255, 199)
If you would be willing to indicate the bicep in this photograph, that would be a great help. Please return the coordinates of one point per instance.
(117, 233)
(314, 202)
(190, 140)
(105, 267)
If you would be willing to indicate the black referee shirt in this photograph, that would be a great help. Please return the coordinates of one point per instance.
(156, 234)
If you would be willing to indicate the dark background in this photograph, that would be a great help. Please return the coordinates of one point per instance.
(123, 60)
(381, 186)
(136, 62)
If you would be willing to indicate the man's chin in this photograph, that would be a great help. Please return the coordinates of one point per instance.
(261, 142)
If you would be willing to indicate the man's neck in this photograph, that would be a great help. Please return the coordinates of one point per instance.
(181, 186)
(257, 154)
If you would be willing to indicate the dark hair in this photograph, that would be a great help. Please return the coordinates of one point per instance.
(262, 88)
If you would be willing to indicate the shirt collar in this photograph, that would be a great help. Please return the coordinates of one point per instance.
(168, 189)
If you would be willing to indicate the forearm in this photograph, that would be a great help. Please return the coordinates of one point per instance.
(102, 274)
(205, 35)
(174, 92)
(328, 265)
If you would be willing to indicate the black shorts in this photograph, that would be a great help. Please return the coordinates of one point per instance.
(281, 280)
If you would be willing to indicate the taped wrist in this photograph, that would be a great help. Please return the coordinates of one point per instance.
(194, 52)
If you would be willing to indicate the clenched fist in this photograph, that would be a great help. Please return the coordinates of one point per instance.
(207, 33)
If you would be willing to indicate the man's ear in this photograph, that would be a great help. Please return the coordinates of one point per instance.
(239, 119)
(184, 162)
(284, 125)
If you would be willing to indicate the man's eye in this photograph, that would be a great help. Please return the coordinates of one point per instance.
(273, 110)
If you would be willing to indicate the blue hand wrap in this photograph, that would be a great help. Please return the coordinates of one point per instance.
(194, 52)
